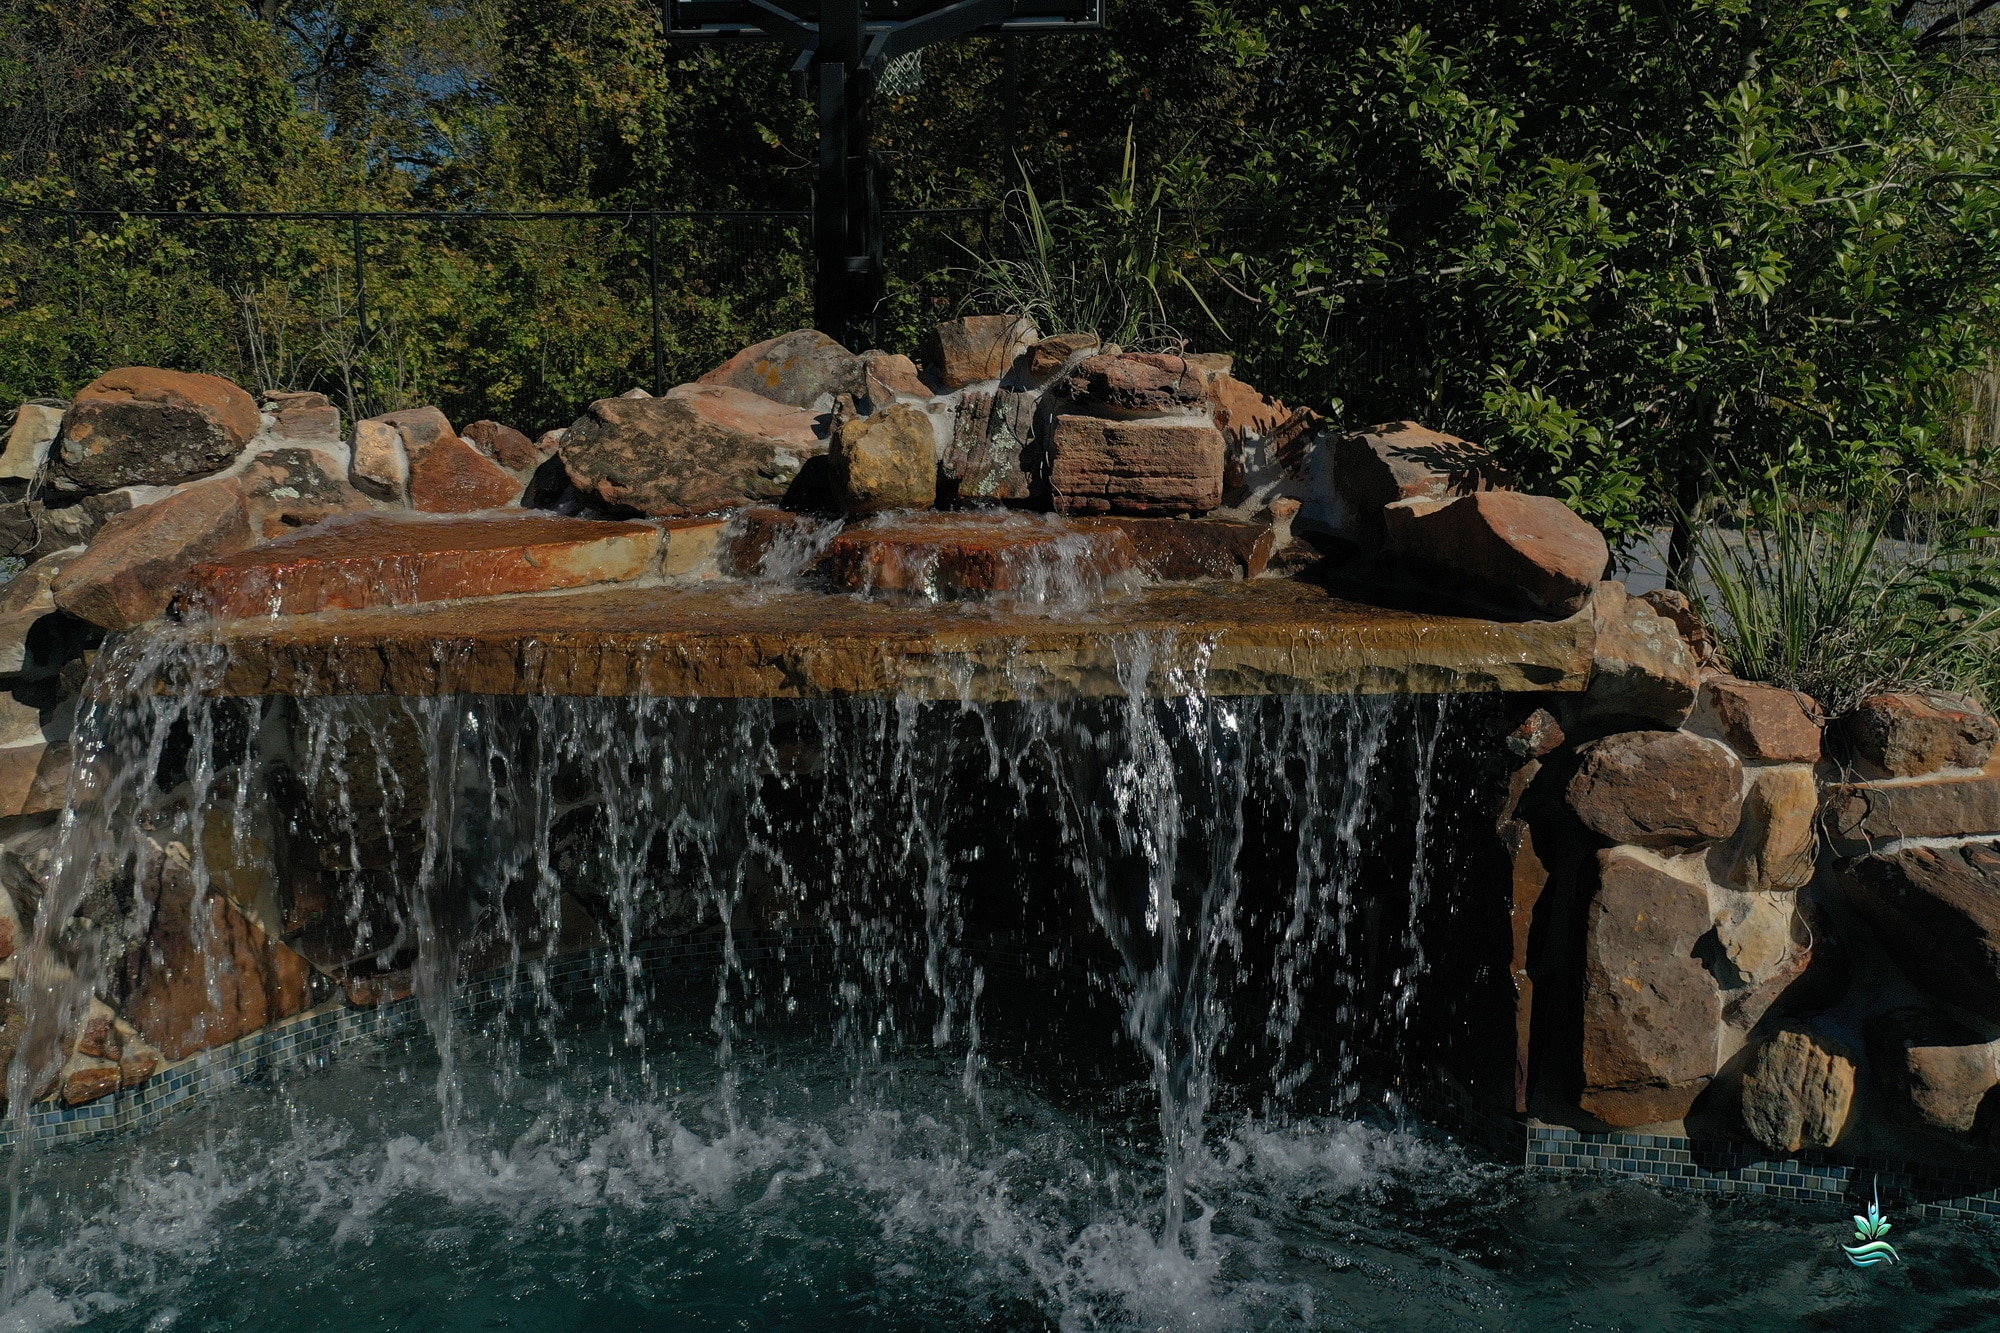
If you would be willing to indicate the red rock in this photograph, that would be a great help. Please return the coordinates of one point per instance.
(379, 988)
(978, 347)
(1642, 673)
(1862, 815)
(304, 417)
(1675, 606)
(795, 369)
(1139, 384)
(138, 1061)
(142, 426)
(1657, 789)
(1051, 354)
(1264, 437)
(1102, 466)
(139, 558)
(957, 555)
(774, 543)
(189, 992)
(85, 1079)
(385, 560)
(884, 376)
(449, 476)
(1528, 880)
(504, 445)
(1910, 735)
(1178, 550)
(699, 450)
(1538, 735)
(1764, 721)
(1520, 552)
(419, 427)
(1651, 1011)
(1936, 911)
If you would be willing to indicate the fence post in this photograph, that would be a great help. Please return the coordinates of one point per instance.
(653, 270)
(76, 258)
(360, 321)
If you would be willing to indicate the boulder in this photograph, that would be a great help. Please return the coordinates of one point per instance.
(419, 427)
(798, 369)
(141, 426)
(1774, 847)
(1910, 735)
(1519, 553)
(204, 973)
(1861, 816)
(449, 476)
(1798, 1091)
(381, 465)
(1763, 721)
(990, 431)
(1538, 735)
(1104, 466)
(33, 644)
(1265, 440)
(1356, 476)
(1650, 1009)
(288, 489)
(700, 449)
(1675, 606)
(1136, 384)
(1057, 351)
(1936, 1073)
(976, 348)
(130, 573)
(504, 445)
(1657, 789)
(885, 461)
(886, 376)
(1936, 911)
(28, 439)
(1641, 672)
(304, 418)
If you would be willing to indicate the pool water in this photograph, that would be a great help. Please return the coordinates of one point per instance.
(590, 1187)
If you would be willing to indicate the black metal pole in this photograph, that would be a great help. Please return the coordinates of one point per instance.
(653, 267)
(1010, 104)
(360, 403)
(847, 226)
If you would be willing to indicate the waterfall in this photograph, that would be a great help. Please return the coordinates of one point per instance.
(1235, 871)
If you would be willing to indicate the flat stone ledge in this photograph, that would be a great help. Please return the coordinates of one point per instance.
(721, 640)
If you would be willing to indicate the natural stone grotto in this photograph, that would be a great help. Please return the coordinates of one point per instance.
(1047, 835)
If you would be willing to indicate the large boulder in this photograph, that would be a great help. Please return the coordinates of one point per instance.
(1936, 1073)
(1657, 789)
(1136, 384)
(990, 430)
(701, 449)
(976, 348)
(132, 570)
(1641, 671)
(449, 476)
(885, 461)
(1356, 476)
(1651, 1011)
(1774, 847)
(141, 426)
(1149, 467)
(1798, 1091)
(1518, 553)
(798, 369)
(1936, 910)
(288, 489)
(1910, 735)
(1763, 721)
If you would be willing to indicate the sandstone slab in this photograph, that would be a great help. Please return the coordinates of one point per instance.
(1644, 673)
(1266, 440)
(35, 428)
(1056, 351)
(976, 348)
(390, 561)
(1260, 636)
(1650, 1008)
(304, 418)
(885, 461)
(142, 426)
(1192, 548)
(1136, 384)
(1764, 721)
(449, 476)
(1798, 1091)
(1862, 815)
(1936, 911)
(1657, 789)
(1102, 466)
(699, 450)
(131, 572)
(796, 369)
(1911, 735)
(774, 544)
(964, 555)
(1526, 553)
(1936, 1073)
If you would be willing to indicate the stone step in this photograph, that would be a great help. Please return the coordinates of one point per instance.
(380, 560)
(967, 555)
(1860, 815)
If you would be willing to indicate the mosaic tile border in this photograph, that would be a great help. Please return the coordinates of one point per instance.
(313, 1039)
(1717, 1166)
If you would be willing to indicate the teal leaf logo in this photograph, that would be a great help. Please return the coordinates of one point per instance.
(1869, 1231)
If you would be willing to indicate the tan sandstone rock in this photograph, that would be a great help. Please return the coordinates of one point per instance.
(1643, 672)
(35, 428)
(796, 369)
(1798, 1091)
(1936, 1073)
(504, 445)
(381, 465)
(1165, 466)
(1657, 789)
(1774, 847)
(885, 461)
(1911, 735)
(978, 347)
(1527, 553)
(1763, 721)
